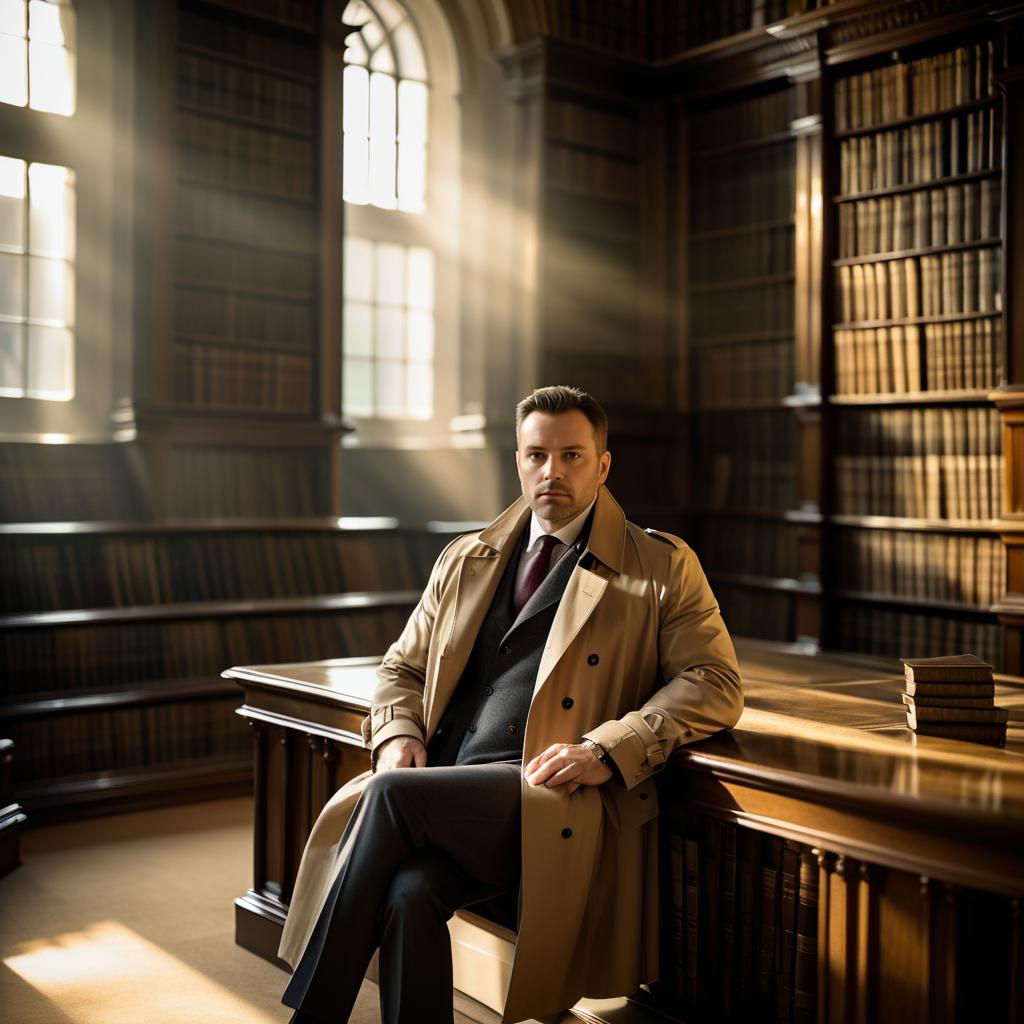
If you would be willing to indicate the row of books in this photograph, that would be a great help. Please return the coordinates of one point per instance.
(952, 697)
(108, 656)
(735, 374)
(234, 266)
(604, 130)
(753, 612)
(216, 378)
(605, 24)
(917, 220)
(118, 739)
(246, 482)
(925, 86)
(219, 33)
(764, 252)
(747, 188)
(745, 309)
(742, 122)
(746, 461)
(922, 153)
(231, 317)
(920, 286)
(700, 22)
(887, 360)
(755, 547)
(232, 91)
(931, 566)
(953, 484)
(99, 570)
(302, 14)
(237, 156)
(68, 482)
(574, 169)
(890, 633)
(743, 941)
(255, 220)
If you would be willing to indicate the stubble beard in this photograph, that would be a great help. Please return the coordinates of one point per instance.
(557, 512)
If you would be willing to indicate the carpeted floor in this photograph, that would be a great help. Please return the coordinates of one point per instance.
(129, 920)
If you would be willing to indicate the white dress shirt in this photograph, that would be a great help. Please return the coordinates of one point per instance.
(566, 535)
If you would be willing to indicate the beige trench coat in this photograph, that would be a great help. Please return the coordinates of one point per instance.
(664, 674)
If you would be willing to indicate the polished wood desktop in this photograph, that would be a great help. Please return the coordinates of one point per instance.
(893, 828)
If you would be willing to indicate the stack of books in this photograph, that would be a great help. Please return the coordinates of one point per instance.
(953, 697)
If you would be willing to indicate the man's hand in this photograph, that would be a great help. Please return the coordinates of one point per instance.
(401, 752)
(567, 764)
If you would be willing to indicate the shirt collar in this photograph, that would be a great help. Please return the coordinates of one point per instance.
(566, 535)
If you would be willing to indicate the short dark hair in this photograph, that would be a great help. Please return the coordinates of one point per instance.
(562, 398)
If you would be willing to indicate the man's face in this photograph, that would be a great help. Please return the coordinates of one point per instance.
(559, 468)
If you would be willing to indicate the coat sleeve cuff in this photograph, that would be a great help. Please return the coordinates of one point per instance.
(385, 723)
(633, 745)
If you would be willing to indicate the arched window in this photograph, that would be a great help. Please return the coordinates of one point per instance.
(401, 222)
(385, 108)
(37, 206)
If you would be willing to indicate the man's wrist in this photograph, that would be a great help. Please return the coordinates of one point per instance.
(604, 757)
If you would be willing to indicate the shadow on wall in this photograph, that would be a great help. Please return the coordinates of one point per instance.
(417, 486)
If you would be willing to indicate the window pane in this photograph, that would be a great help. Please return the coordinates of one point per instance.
(12, 285)
(390, 328)
(373, 34)
(13, 17)
(409, 53)
(358, 389)
(358, 329)
(412, 177)
(390, 400)
(382, 174)
(51, 225)
(12, 203)
(382, 108)
(355, 50)
(51, 79)
(12, 365)
(49, 291)
(356, 170)
(358, 269)
(412, 112)
(390, 12)
(45, 24)
(421, 337)
(357, 101)
(391, 274)
(421, 279)
(50, 363)
(383, 61)
(13, 71)
(420, 384)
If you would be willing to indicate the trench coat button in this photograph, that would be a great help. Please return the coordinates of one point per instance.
(470, 728)
(643, 796)
(567, 833)
(513, 730)
(567, 702)
(506, 649)
(488, 690)
(593, 659)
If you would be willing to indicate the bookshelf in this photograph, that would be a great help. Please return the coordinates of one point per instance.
(916, 347)
(740, 326)
(237, 369)
(114, 635)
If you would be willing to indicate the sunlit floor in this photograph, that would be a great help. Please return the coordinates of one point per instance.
(129, 920)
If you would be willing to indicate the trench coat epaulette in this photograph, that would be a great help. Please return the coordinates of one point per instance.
(665, 538)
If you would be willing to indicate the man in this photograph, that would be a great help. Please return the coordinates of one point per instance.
(554, 662)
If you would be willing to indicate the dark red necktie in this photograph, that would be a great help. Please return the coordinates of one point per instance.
(536, 571)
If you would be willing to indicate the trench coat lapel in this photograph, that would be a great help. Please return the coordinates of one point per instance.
(479, 576)
(587, 585)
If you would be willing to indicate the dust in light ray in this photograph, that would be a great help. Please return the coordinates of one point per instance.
(109, 974)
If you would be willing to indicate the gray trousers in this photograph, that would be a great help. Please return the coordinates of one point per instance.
(427, 842)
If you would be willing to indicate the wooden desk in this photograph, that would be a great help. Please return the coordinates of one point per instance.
(820, 860)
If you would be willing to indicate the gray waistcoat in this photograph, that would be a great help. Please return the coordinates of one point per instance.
(486, 718)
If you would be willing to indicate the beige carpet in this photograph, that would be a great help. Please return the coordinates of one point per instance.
(129, 920)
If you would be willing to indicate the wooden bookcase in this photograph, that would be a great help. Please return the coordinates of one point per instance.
(114, 636)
